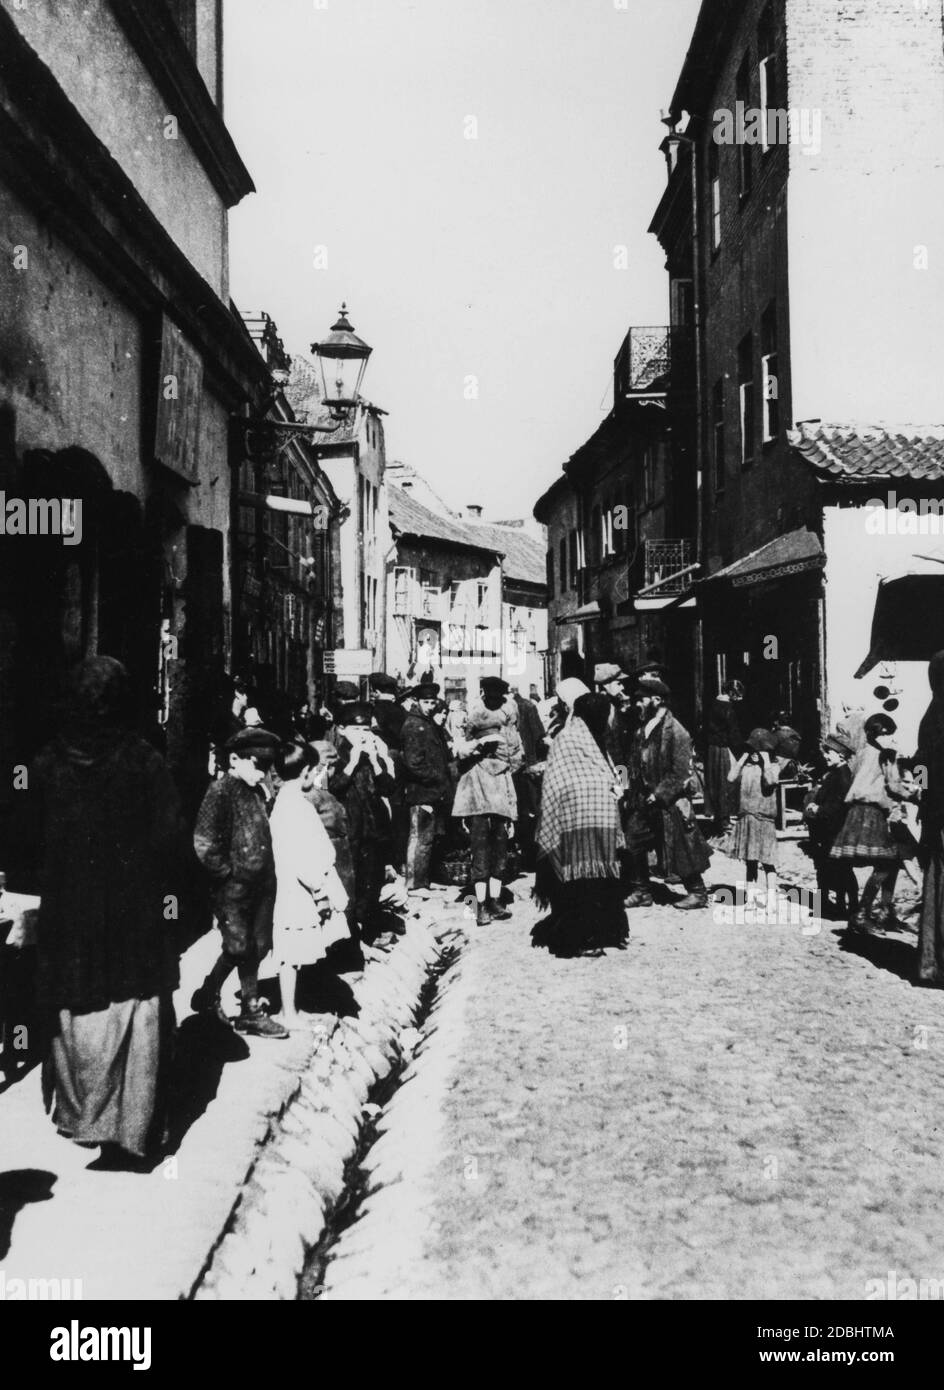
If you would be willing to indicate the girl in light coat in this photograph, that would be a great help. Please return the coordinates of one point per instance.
(485, 797)
(309, 898)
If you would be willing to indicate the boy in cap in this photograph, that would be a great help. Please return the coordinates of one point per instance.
(427, 786)
(824, 813)
(232, 841)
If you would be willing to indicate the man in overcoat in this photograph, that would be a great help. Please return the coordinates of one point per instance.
(658, 802)
(427, 786)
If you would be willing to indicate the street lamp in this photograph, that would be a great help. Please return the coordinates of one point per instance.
(343, 358)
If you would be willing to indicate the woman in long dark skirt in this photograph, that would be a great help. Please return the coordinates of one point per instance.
(113, 861)
(579, 838)
(724, 738)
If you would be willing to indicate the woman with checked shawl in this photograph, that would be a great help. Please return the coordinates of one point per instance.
(579, 839)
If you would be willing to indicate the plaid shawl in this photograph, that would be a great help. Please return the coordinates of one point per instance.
(579, 825)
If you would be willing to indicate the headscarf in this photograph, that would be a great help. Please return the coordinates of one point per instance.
(96, 707)
(570, 690)
(595, 711)
(579, 828)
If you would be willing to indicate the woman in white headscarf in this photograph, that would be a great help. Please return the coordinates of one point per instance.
(568, 692)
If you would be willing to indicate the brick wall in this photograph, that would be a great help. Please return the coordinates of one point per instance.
(865, 319)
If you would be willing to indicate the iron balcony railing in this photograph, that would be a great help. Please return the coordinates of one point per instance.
(668, 564)
(653, 359)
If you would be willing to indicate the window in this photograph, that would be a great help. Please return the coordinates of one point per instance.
(595, 548)
(606, 531)
(574, 559)
(768, 347)
(428, 591)
(746, 396)
(769, 76)
(714, 181)
(621, 521)
(481, 593)
(742, 103)
(717, 432)
(681, 299)
(549, 558)
(562, 556)
(402, 584)
(455, 588)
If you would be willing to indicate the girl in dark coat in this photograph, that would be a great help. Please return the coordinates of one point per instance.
(113, 859)
(363, 782)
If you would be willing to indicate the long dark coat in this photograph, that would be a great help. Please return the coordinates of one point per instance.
(661, 765)
(113, 852)
(424, 763)
(368, 826)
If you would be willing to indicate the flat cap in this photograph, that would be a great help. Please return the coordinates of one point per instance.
(426, 690)
(762, 741)
(606, 672)
(494, 685)
(254, 740)
(385, 684)
(346, 690)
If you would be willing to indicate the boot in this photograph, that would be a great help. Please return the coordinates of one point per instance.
(639, 897)
(204, 1002)
(497, 912)
(254, 1020)
(691, 901)
(483, 918)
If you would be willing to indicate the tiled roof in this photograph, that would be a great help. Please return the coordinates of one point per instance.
(858, 453)
(524, 556)
(304, 395)
(411, 518)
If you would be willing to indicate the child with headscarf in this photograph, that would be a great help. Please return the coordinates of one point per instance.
(485, 796)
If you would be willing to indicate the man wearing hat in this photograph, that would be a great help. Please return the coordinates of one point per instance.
(609, 680)
(659, 807)
(232, 841)
(427, 786)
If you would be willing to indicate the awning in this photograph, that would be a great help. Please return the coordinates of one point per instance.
(795, 553)
(908, 622)
(588, 613)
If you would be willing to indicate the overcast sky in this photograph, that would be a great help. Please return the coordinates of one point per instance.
(490, 257)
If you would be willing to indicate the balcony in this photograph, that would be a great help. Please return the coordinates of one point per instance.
(653, 360)
(669, 572)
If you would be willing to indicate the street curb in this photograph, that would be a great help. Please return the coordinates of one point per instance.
(299, 1171)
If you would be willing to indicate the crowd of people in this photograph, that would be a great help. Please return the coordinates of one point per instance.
(319, 830)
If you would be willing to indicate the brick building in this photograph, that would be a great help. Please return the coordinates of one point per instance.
(620, 524)
(813, 126)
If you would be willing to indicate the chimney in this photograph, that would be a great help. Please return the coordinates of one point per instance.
(473, 511)
(406, 484)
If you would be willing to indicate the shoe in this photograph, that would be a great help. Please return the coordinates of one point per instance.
(863, 920)
(483, 918)
(639, 897)
(258, 1023)
(691, 901)
(202, 1002)
(498, 913)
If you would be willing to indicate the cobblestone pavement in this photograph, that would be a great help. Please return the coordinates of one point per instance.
(720, 1111)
